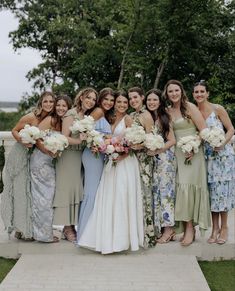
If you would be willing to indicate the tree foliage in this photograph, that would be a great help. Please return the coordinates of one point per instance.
(123, 43)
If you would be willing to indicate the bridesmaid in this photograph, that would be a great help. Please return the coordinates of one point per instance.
(116, 221)
(164, 169)
(42, 173)
(144, 118)
(16, 196)
(220, 164)
(192, 197)
(69, 189)
(93, 167)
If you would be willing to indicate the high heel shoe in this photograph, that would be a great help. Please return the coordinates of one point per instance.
(213, 238)
(166, 238)
(222, 240)
(69, 234)
(185, 244)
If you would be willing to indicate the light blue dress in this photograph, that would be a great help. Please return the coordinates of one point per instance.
(93, 168)
(221, 172)
(43, 190)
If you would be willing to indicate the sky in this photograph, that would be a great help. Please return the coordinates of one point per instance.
(14, 65)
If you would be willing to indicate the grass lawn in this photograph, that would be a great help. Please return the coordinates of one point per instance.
(220, 275)
(5, 266)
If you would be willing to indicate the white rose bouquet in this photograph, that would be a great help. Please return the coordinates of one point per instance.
(30, 134)
(55, 142)
(135, 134)
(84, 125)
(95, 141)
(188, 144)
(215, 136)
(153, 141)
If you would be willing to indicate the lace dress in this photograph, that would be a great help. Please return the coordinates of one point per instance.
(164, 172)
(146, 174)
(16, 208)
(221, 172)
(43, 190)
(116, 222)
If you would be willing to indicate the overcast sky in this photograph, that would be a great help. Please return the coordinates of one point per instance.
(14, 65)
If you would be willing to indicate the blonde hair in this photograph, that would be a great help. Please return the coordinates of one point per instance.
(38, 109)
(83, 93)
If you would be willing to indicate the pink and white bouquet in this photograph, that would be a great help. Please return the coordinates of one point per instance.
(84, 125)
(114, 148)
(188, 144)
(95, 141)
(55, 142)
(135, 134)
(154, 141)
(215, 136)
(30, 134)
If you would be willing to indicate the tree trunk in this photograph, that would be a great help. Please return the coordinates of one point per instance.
(159, 73)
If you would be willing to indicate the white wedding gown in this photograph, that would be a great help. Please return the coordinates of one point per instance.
(116, 222)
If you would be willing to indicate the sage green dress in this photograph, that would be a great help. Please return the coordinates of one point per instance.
(69, 188)
(192, 196)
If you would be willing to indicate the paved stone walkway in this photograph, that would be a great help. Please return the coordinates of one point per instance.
(119, 272)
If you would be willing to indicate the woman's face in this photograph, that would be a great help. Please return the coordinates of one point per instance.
(136, 101)
(107, 102)
(121, 104)
(200, 94)
(61, 108)
(152, 102)
(48, 103)
(174, 93)
(89, 101)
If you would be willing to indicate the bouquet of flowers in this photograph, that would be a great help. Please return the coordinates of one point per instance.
(29, 134)
(135, 134)
(115, 147)
(84, 125)
(95, 140)
(214, 136)
(189, 144)
(55, 142)
(153, 141)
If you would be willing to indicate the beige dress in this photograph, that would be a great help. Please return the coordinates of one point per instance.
(192, 196)
(69, 189)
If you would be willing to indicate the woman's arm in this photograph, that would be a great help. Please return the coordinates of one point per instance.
(26, 119)
(97, 113)
(147, 121)
(196, 116)
(67, 122)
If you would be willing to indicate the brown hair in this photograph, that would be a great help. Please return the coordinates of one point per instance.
(38, 109)
(56, 120)
(184, 98)
(136, 89)
(102, 94)
(84, 92)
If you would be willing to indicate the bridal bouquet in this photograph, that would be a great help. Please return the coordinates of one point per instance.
(84, 125)
(153, 141)
(115, 147)
(29, 134)
(215, 136)
(135, 134)
(189, 144)
(55, 142)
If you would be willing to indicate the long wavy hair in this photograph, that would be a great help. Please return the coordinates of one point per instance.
(161, 114)
(84, 93)
(184, 98)
(38, 109)
(102, 94)
(57, 120)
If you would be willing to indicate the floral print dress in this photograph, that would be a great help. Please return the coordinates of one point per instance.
(164, 171)
(221, 172)
(146, 171)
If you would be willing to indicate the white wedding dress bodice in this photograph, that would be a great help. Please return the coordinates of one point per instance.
(116, 222)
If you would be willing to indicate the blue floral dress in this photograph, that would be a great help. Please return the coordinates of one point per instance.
(221, 172)
(164, 171)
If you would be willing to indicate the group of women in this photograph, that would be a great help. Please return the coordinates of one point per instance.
(147, 198)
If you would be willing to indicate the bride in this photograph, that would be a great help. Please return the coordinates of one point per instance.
(116, 222)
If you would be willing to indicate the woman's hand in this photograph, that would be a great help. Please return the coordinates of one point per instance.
(136, 147)
(83, 136)
(220, 148)
(189, 156)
